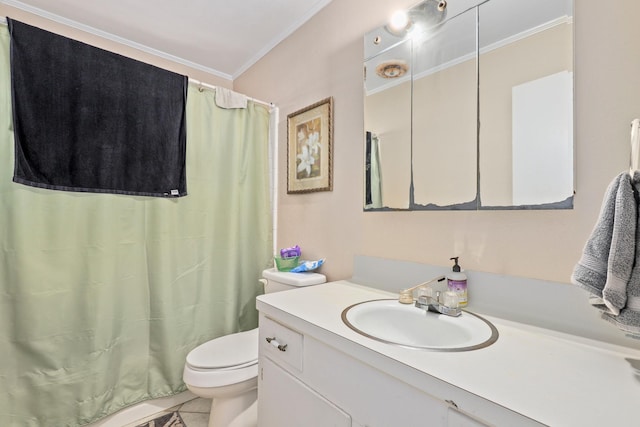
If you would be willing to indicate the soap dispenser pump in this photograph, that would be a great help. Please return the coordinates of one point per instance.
(457, 282)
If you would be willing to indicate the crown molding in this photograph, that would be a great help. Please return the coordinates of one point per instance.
(112, 37)
(282, 36)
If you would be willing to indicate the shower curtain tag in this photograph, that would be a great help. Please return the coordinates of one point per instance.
(175, 192)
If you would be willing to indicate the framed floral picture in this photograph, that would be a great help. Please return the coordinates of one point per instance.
(309, 142)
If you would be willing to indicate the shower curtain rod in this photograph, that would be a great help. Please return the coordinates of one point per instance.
(198, 82)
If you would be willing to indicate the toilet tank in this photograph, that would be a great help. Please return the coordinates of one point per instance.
(275, 281)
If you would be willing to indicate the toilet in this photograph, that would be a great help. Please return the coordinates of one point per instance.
(225, 369)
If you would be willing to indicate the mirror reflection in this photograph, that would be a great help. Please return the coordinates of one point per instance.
(526, 113)
(474, 111)
(388, 140)
(445, 115)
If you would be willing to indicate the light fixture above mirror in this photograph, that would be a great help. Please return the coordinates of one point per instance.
(419, 18)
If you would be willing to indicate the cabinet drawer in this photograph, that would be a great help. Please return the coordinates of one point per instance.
(281, 344)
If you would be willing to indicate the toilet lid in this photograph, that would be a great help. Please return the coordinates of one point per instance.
(294, 279)
(225, 352)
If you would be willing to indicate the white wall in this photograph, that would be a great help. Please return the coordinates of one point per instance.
(324, 58)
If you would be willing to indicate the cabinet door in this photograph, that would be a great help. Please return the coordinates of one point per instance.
(285, 401)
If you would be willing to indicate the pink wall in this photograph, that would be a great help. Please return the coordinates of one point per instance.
(324, 58)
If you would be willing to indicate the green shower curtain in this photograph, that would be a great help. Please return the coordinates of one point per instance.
(102, 296)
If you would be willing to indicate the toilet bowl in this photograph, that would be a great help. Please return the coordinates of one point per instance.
(225, 369)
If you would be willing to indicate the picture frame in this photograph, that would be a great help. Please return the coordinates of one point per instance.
(309, 148)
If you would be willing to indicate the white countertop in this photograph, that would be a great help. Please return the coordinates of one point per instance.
(550, 377)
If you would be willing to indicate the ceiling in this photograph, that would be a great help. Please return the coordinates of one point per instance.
(221, 37)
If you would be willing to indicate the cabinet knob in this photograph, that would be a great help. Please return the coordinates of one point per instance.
(276, 344)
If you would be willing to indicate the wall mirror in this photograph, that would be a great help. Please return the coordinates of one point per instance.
(470, 106)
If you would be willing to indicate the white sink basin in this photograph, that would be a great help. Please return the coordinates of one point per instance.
(404, 324)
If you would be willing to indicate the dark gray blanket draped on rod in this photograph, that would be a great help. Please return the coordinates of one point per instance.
(86, 119)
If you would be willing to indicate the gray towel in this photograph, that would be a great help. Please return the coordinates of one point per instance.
(605, 267)
(628, 319)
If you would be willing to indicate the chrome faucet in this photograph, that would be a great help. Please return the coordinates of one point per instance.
(447, 304)
(444, 303)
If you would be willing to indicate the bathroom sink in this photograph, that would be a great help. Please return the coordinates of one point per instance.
(391, 322)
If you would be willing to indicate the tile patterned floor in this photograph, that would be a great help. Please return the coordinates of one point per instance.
(194, 413)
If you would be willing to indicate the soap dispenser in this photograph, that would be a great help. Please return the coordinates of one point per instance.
(457, 282)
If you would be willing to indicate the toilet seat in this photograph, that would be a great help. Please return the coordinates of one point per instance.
(232, 351)
(219, 377)
(223, 361)
(229, 368)
(225, 369)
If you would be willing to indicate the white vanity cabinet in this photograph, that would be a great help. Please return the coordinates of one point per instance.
(305, 382)
(286, 400)
(329, 375)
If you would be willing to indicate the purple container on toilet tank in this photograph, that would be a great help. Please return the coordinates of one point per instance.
(290, 252)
